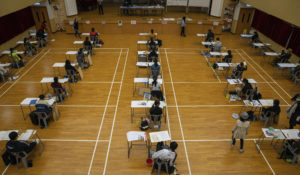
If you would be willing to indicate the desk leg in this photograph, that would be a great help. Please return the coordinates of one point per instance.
(42, 144)
(22, 112)
(132, 112)
(70, 89)
(149, 148)
(90, 59)
(42, 88)
(226, 89)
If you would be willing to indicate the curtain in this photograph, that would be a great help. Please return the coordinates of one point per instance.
(295, 42)
(15, 23)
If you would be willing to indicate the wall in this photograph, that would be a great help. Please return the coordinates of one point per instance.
(60, 14)
(10, 6)
(287, 10)
(275, 46)
(12, 42)
(49, 7)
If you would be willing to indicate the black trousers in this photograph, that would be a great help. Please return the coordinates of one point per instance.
(100, 8)
(182, 31)
(241, 142)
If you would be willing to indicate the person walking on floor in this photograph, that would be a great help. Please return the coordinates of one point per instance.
(100, 8)
(75, 26)
(183, 24)
(240, 130)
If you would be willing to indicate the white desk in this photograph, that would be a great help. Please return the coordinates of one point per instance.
(246, 36)
(145, 52)
(259, 45)
(160, 136)
(22, 42)
(134, 136)
(28, 102)
(34, 34)
(145, 64)
(273, 54)
(78, 42)
(6, 52)
(146, 34)
(291, 134)
(5, 65)
(86, 34)
(201, 34)
(287, 65)
(226, 67)
(143, 104)
(207, 43)
(47, 80)
(218, 53)
(256, 105)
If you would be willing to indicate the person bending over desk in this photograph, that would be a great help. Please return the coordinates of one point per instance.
(87, 45)
(238, 72)
(227, 58)
(58, 89)
(255, 37)
(18, 146)
(155, 110)
(241, 91)
(155, 90)
(165, 153)
(30, 49)
(155, 69)
(71, 71)
(152, 55)
(210, 36)
(217, 46)
(274, 109)
(16, 59)
(80, 59)
(152, 44)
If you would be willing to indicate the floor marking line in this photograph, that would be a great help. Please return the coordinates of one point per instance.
(103, 116)
(264, 157)
(115, 115)
(211, 140)
(268, 75)
(211, 67)
(24, 73)
(262, 77)
(164, 89)
(208, 82)
(5, 169)
(80, 82)
(178, 115)
(71, 140)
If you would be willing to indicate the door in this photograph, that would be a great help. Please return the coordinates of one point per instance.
(40, 14)
(245, 20)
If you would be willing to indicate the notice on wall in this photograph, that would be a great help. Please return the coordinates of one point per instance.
(133, 21)
(192, 3)
(176, 2)
(120, 23)
(103, 22)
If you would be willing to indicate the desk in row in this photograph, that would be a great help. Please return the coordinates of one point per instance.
(141, 10)
(146, 105)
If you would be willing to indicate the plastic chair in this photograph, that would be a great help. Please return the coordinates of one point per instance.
(159, 164)
(249, 94)
(42, 116)
(71, 75)
(21, 156)
(59, 95)
(269, 115)
(155, 122)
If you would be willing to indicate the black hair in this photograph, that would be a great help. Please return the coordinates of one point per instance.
(80, 50)
(152, 30)
(156, 103)
(155, 62)
(183, 18)
(68, 62)
(242, 120)
(13, 135)
(241, 64)
(154, 81)
(42, 96)
(55, 79)
(218, 39)
(229, 52)
(276, 102)
(86, 38)
(11, 50)
(93, 29)
(25, 39)
(173, 146)
(245, 81)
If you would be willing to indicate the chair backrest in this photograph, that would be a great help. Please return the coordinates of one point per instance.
(155, 118)
(249, 94)
(70, 72)
(19, 154)
(40, 114)
(269, 114)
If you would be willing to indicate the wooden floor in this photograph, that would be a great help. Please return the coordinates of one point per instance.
(90, 136)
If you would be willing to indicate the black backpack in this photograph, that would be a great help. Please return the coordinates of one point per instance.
(159, 42)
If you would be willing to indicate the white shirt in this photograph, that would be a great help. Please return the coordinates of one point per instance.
(156, 88)
(164, 154)
(183, 23)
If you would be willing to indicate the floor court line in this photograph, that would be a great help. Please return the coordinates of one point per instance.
(263, 78)
(53, 53)
(71, 140)
(24, 73)
(208, 82)
(198, 106)
(266, 160)
(104, 113)
(178, 115)
(164, 91)
(67, 106)
(5, 169)
(267, 74)
(115, 115)
(19, 70)
(80, 82)
(211, 67)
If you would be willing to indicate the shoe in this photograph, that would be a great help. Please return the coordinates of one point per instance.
(241, 150)
(232, 145)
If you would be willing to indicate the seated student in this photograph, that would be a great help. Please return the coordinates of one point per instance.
(17, 59)
(275, 108)
(87, 45)
(40, 37)
(152, 44)
(286, 152)
(217, 46)
(155, 68)
(163, 153)
(42, 105)
(287, 56)
(210, 36)
(152, 55)
(94, 36)
(4, 71)
(227, 58)
(17, 146)
(294, 112)
(238, 72)
(278, 59)
(155, 90)
(30, 49)
(58, 88)
(255, 37)
(71, 69)
(155, 110)
(241, 91)
(80, 59)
